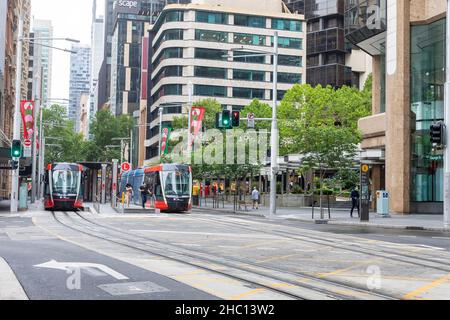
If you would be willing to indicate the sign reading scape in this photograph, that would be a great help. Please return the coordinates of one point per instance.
(127, 3)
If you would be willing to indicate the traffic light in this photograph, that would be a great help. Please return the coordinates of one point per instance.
(437, 134)
(15, 165)
(236, 119)
(16, 149)
(226, 119)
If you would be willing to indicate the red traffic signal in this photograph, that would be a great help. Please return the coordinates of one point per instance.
(236, 119)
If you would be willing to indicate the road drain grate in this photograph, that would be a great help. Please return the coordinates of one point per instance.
(132, 288)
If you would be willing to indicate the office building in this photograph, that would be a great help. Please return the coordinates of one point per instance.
(407, 42)
(43, 31)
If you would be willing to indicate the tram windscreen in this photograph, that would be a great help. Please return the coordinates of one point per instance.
(66, 182)
(177, 183)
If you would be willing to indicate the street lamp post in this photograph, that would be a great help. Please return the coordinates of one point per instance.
(274, 120)
(161, 112)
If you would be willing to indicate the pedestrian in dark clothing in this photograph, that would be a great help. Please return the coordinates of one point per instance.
(144, 194)
(355, 201)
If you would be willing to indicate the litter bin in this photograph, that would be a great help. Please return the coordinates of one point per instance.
(23, 197)
(383, 203)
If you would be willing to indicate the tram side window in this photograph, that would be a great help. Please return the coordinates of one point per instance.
(158, 188)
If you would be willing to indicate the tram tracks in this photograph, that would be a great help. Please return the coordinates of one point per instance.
(294, 285)
(423, 261)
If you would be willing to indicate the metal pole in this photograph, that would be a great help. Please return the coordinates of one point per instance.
(121, 152)
(447, 131)
(160, 131)
(16, 129)
(41, 153)
(34, 173)
(42, 161)
(131, 149)
(190, 99)
(274, 136)
(114, 182)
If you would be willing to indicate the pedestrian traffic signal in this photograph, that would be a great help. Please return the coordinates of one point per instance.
(437, 134)
(16, 149)
(15, 165)
(236, 119)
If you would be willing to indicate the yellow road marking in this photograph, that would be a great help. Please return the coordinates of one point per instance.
(281, 285)
(247, 294)
(277, 258)
(339, 271)
(264, 243)
(436, 283)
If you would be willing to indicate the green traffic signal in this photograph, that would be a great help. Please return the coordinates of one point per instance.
(226, 119)
(16, 149)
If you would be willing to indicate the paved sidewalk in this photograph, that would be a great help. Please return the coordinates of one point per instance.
(342, 217)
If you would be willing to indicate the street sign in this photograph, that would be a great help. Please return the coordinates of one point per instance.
(251, 120)
(126, 167)
(365, 193)
(27, 143)
(27, 148)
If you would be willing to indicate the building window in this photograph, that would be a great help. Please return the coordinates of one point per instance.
(248, 93)
(284, 77)
(292, 43)
(249, 39)
(427, 107)
(170, 71)
(210, 91)
(249, 21)
(173, 34)
(243, 56)
(169, 53)
(210, 72)
(289, 25)
(212, 17)
(173, 16)
(284, 60)
(168, 90)
(209, 35)
(249, 75)
(210, 54)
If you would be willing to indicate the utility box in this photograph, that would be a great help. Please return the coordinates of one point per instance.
(23, 197)
(383, 203)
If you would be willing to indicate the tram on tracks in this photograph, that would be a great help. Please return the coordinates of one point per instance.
(63, 187)
(170, 186)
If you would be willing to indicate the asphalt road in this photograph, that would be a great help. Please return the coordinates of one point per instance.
(25, 246)
(201, 256)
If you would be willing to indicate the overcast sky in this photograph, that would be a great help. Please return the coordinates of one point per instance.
(71, 19)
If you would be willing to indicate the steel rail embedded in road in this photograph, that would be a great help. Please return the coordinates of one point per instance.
(251, 267)
(290, 235)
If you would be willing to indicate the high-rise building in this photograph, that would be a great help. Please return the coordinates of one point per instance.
(9, 11)
(407, 42)
(331, 60)
(35, 70)
(80, 80)
(128, 31)
(97, 55)
(195, 44)
(43, 31)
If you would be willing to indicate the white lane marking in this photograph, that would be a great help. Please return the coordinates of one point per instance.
(441, 238)
(187, 244)
(68, 266)
(412, 237)
(267, 249)
(228, 247)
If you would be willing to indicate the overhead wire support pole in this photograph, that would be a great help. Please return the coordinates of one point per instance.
(17, 125)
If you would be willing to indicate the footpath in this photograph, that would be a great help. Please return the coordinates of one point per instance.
(340, 217)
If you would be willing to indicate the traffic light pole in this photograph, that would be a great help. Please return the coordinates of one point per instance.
(274, 135)
(447, 130)
(16, 129)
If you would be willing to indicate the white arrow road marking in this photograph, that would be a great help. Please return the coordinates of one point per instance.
(67, 266)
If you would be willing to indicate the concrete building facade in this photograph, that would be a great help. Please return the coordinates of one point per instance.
(9, 10)
(407, 41)
(193, 45)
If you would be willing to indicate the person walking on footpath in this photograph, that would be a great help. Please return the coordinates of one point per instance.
(144, 195)
(355, 201)
(129, 194)
(255, 198)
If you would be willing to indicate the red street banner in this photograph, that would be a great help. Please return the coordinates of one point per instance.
(165, 138)
(27, 111)
(196, 123)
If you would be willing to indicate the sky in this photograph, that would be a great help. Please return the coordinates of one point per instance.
(70, 19)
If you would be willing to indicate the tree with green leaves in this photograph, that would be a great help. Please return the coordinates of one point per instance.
(63, 144)
(104, 129)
